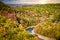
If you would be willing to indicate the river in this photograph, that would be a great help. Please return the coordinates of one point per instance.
(31, 30)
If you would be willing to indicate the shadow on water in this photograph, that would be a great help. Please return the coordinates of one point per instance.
(30, 29)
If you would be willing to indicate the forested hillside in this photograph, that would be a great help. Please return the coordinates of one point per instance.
(9, 28)
(45, 18)
(14, 21)
(3, 6)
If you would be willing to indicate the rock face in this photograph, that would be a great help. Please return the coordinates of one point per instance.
(8, 15)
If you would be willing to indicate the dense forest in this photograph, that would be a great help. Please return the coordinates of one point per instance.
(14, 21)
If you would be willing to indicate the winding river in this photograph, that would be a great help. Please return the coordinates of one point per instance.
(31, 30)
